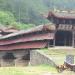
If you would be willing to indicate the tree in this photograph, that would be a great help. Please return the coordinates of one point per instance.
(6, 18)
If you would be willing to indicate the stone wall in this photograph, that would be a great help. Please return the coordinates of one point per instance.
(18, 61)
(37, 58)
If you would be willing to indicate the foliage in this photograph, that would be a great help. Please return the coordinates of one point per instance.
(22, 26)
(6, 18)
(29, 11)
(26, 11)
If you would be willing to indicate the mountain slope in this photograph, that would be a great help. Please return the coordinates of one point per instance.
(28, 11)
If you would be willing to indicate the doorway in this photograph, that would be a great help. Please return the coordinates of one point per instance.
(63, 38)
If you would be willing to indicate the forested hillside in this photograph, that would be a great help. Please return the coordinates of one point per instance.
(28, 11)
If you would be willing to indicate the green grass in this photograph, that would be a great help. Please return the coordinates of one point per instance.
(57, 51)
(30, 70)
(35, 70)
(58, 55)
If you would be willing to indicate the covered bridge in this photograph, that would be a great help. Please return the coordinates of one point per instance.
(15, 46)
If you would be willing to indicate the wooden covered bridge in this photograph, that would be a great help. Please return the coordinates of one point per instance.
(15, 46)
(60, 33)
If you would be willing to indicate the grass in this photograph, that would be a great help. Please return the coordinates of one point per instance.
(30, 70)
(58, 55)
(57, 51)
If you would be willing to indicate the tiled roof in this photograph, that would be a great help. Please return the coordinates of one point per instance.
(35, 29)
(25, 40)
(65, 15)
(46, 36)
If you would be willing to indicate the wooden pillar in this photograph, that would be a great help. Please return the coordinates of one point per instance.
(65, 41)
(73, 39)
(48, 43)
(73, 36)
(55, 35)
(54, 38)
(69, 41)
